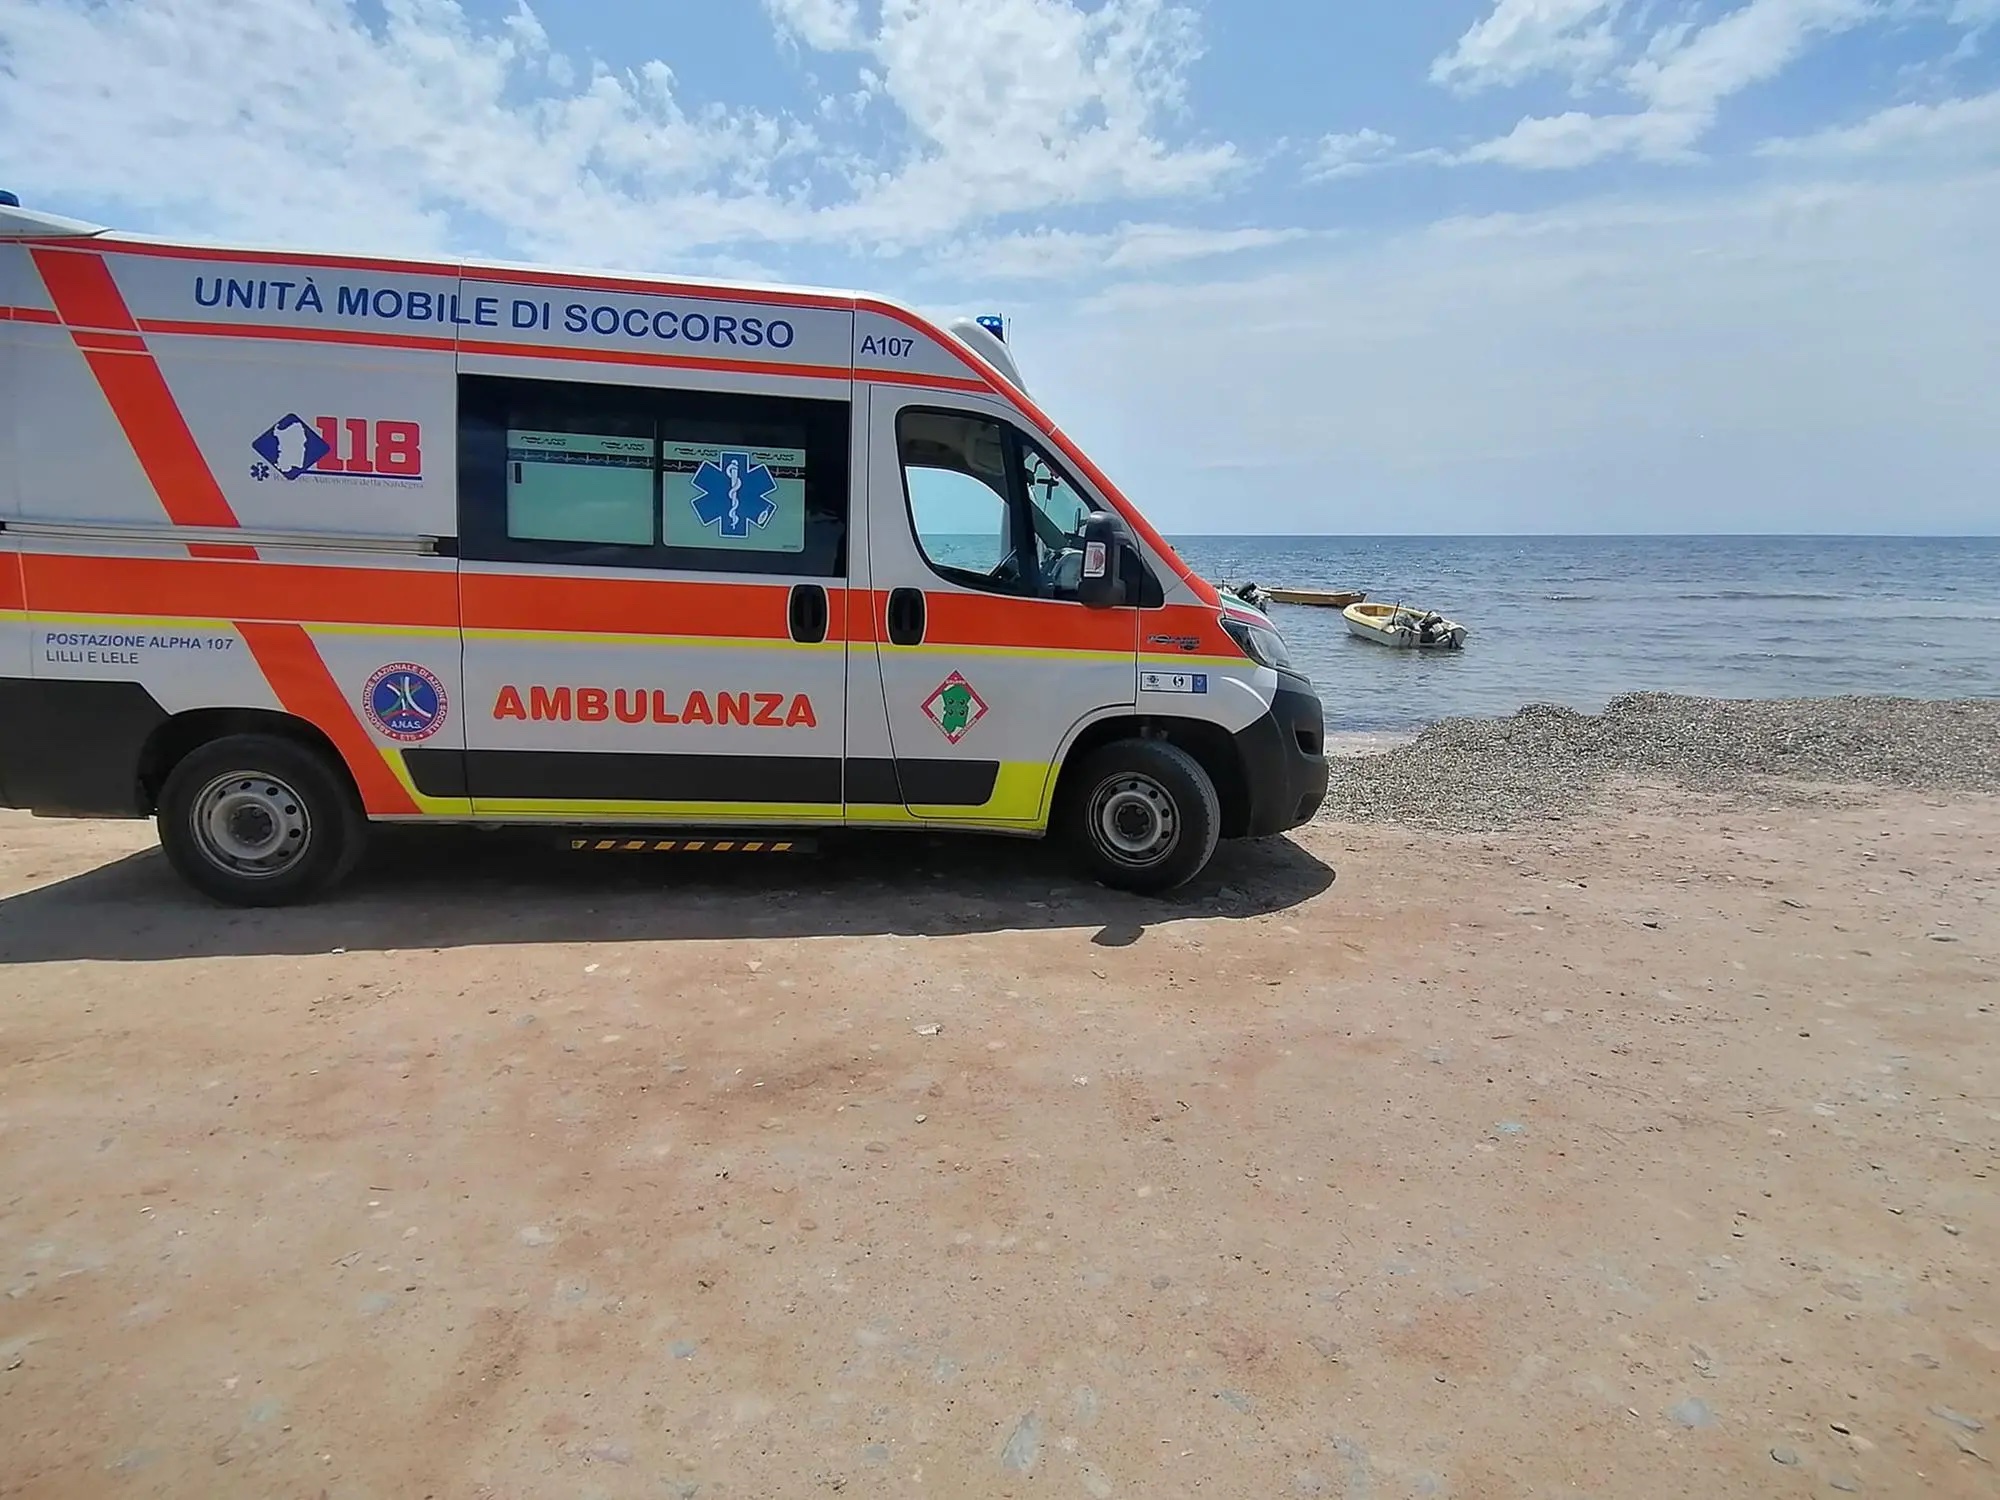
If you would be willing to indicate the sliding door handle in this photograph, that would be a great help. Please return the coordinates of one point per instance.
(807, 614)
(906, 617)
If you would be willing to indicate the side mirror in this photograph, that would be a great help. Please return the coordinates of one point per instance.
(1107, 549)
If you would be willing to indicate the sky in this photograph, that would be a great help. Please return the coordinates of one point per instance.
(1364, 266)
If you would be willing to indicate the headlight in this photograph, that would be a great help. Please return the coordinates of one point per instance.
(1260, 643)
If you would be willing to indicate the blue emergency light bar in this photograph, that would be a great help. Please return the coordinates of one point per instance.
(9, 200)
(993, 324)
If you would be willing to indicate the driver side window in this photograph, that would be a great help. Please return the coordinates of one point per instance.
(955, 474)
(989, 509)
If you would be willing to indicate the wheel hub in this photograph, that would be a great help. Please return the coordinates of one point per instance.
(250, 824)
(1135, 819)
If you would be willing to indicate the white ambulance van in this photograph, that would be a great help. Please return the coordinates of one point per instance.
(291, 544)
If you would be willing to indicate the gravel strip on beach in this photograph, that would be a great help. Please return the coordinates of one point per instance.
(1471, 775)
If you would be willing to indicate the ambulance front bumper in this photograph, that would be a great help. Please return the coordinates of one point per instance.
(1284, 759)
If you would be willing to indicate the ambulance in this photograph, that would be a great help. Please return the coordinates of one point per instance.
(292, 545)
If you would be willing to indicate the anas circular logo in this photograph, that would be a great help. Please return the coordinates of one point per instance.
(406, 702)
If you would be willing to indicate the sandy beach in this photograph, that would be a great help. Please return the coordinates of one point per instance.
(1528, 1132)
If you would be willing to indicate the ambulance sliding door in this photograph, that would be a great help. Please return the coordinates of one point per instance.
(653, 590)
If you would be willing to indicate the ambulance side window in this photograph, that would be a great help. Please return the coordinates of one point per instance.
(586, 475)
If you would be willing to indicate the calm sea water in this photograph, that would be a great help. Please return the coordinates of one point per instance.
(1578, 620)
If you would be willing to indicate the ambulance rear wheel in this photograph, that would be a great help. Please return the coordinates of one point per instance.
(1144, 815)
(259, 820)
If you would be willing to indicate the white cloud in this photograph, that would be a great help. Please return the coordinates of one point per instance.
(1565, 141)
(425, 130)
(1521, 38)
(1680, 81)
(1806, 356)
(1347, 155)
(1027, 104)
(1954, 129)
(1054, 254)
(1744, 47)
(446, 133)
(825, 25)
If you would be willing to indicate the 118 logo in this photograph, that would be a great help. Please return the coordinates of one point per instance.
(350, 447)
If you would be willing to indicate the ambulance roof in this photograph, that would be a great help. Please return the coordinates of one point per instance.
(23, 223)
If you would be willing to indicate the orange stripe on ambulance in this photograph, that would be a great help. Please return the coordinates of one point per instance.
(596, 705)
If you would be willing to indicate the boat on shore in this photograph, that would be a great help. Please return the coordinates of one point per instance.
(1404, 625)
(1323, 598)
(1257, 594)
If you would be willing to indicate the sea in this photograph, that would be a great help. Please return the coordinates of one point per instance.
(1579, 620)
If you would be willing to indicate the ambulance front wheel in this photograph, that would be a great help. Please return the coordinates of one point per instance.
(259, 820)
(1144, 815)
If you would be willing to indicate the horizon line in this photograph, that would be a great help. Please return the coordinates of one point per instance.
(1591, 536)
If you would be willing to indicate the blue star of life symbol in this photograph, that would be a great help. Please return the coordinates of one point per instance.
(291, 446)
(733, 494)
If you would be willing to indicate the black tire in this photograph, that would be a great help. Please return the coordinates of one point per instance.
(260, 820)
(1143, 814)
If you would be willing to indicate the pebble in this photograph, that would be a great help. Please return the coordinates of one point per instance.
(1846, 1484)
(1785, 1455)
(1958, 1419)
(1546, 761)
(1024, 1445)
(1692, 1412)
(682, 1348)
(537, 1236)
